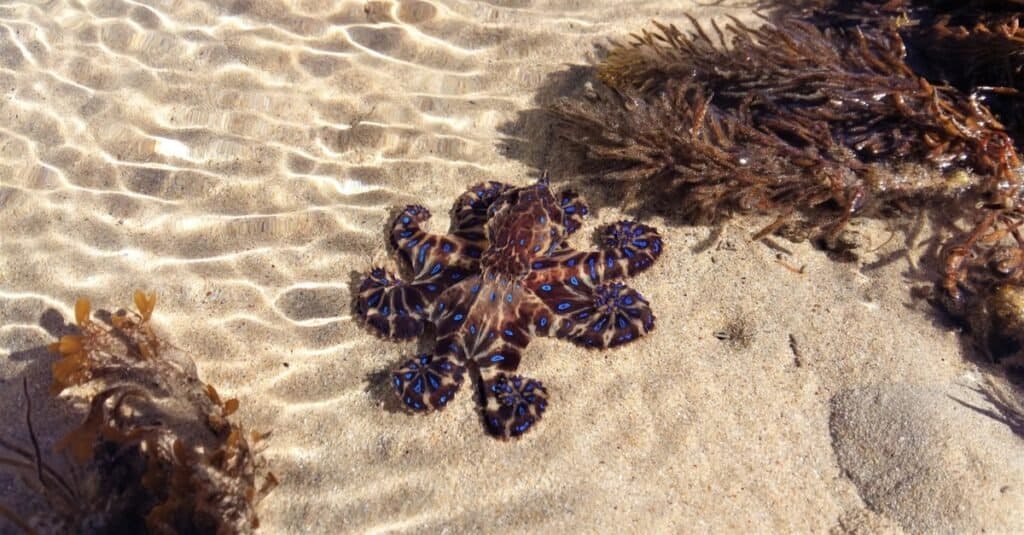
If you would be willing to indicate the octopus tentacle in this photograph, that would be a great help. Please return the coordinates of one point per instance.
(627, 248)
(427, 254)
(427, 382)
(482, 314)
(399, 309)
(606, 315)
(469, 214)
(393, 307)
(512, 404)
(574, 209)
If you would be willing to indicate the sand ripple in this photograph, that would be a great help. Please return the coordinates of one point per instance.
(242, 159)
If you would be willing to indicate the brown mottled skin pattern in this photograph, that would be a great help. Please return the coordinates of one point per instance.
(502, 276)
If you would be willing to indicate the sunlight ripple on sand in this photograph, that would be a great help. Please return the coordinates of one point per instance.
(243, 159)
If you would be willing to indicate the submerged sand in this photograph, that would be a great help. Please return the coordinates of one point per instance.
(243, 161)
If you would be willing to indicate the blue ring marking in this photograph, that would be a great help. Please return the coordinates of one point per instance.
(433, 288)
(574, 281)
(657, 246)
(569, 209)
(458, 317)
(421, 258)
(545, 287)
(374, 299)
(564, 306)
(412, 243)
(599, 326)
(446, 247)
(542, 220)
(622, 322)
(472, 329)
(610, 261)
(456, 275)
(497, 358)
(397, 382)
(406, 220)
(509, 333)
(434, 382)
(628, 300)
(417, 385)
(640, 243)
(409, 376)
(436, 269)
(385, 310)
(593, 269)
(424, 359)
(509, 297)
(522, 241)
(571, 262)
(543, 321)
(405, 233)
(629, 253)
(475, 288)
(494, 296)
(536, 248)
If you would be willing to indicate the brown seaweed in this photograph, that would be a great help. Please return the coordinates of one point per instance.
(780, 119)
(158, 450)
(976, 46)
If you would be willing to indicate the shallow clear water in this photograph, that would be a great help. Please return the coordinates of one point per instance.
(242, 159)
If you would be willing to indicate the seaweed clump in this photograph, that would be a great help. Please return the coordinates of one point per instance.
(976, 46)
(781, 119)
(160, 454)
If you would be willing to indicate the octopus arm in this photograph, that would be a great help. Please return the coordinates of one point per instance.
(627, 249)
(429, 254)
(512, 404)
(482, 321)
(469, 214)
(606, 315)
(427, 382)
(487, 323)
(393, 307)
(574, 209)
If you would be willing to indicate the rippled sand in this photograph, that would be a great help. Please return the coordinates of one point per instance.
(243, 159)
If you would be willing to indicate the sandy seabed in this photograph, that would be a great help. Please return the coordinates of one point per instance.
(243, 160)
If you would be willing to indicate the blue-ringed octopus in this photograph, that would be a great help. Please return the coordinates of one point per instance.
(502, 276)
